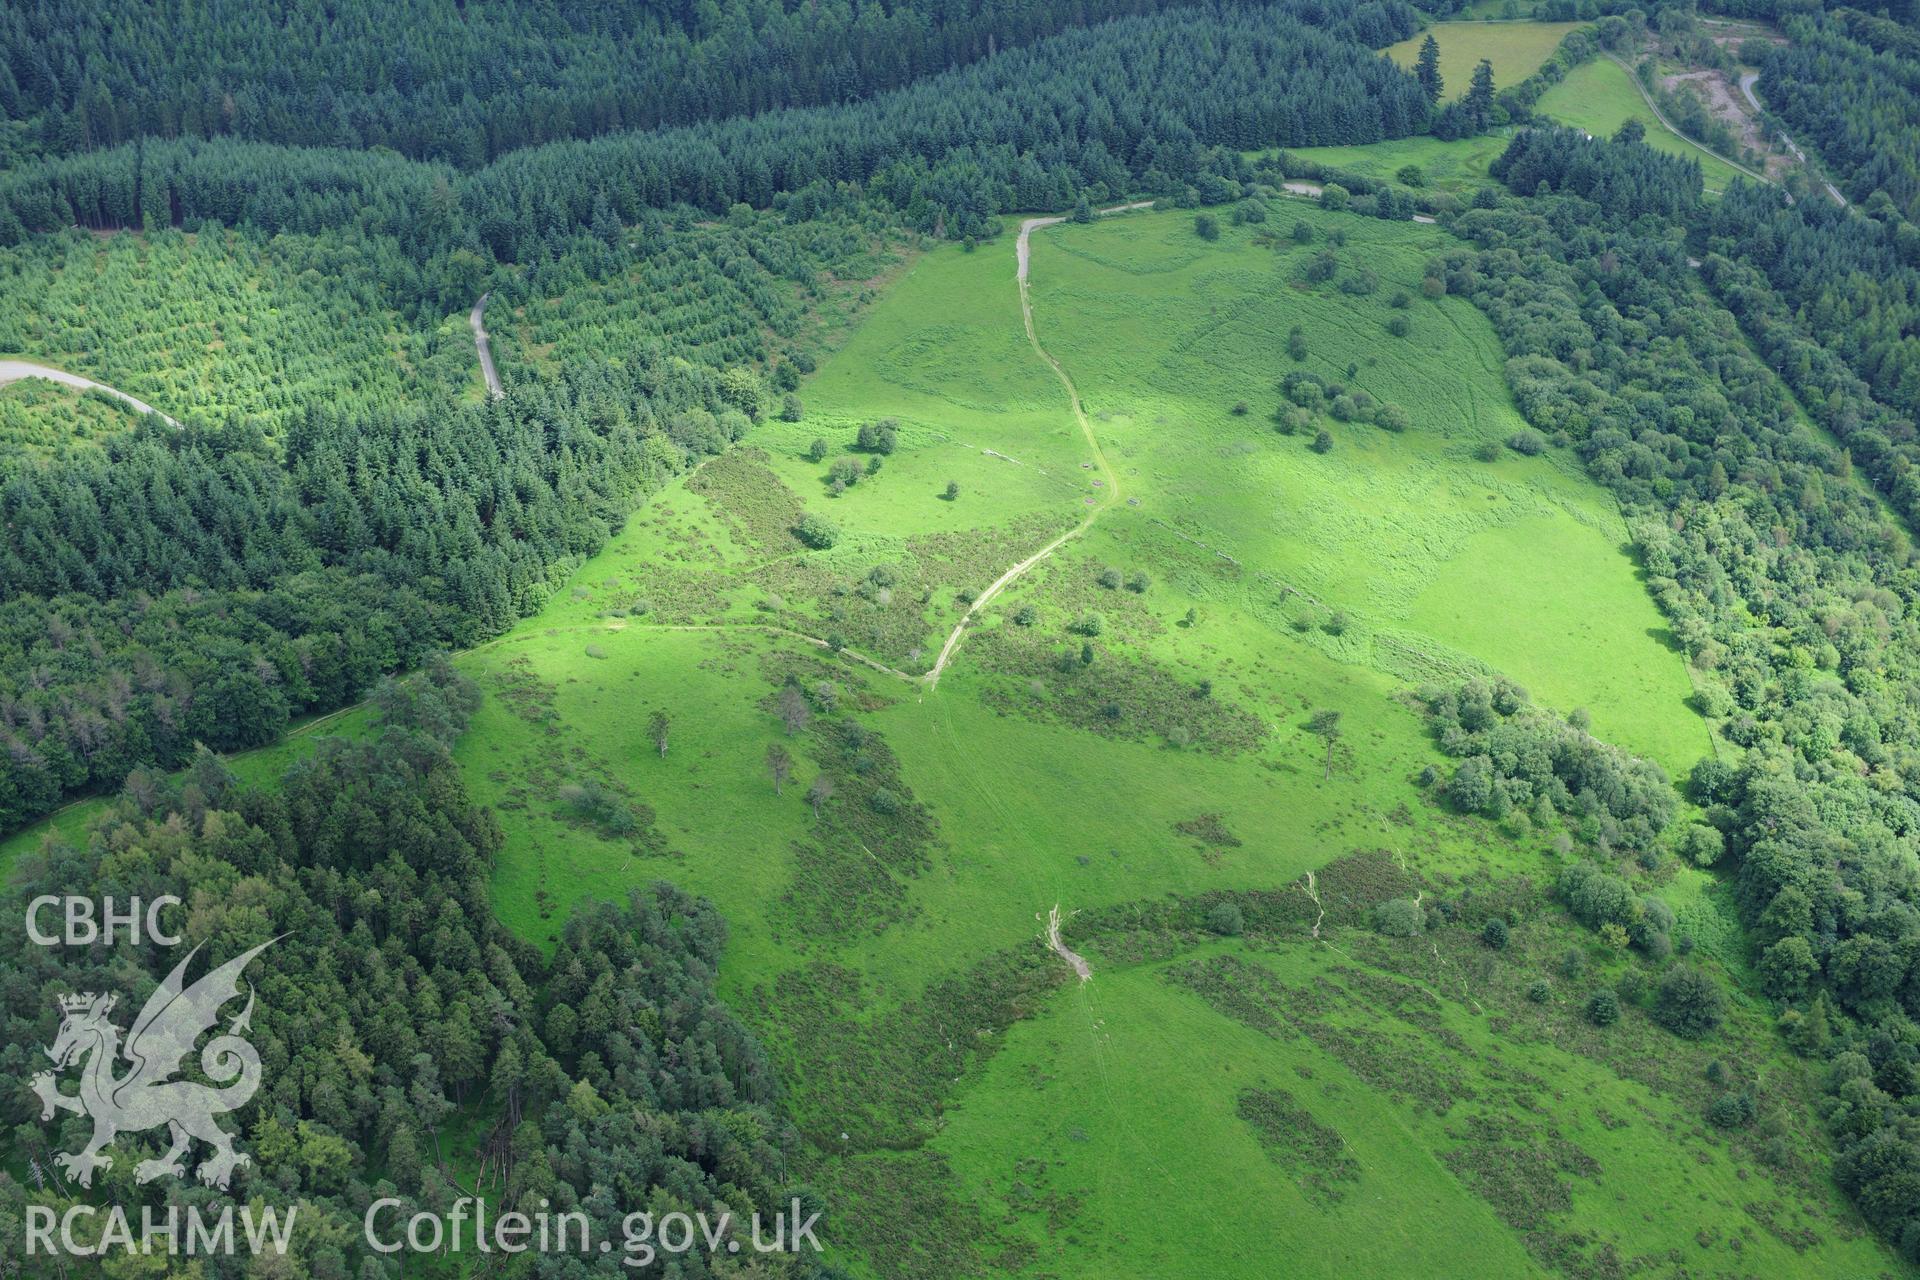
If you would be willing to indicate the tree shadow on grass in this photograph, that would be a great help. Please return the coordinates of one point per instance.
(1664, 637)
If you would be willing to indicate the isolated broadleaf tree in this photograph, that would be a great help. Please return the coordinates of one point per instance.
(819, 793)
(1325, 724)
(794, 712)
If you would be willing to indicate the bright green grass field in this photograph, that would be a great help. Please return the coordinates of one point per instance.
(1129, 1086)
(946, 357)
(1600, 96)
(1441, 563)
(1516, 49)
(1187, 1152)
(1456, 166)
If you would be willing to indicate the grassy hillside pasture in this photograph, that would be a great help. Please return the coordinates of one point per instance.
(1101, 1086)
(883, 976)
(1516, 49)
(970, 1109)
(946, 358)
(1411, 1072)
(1600, 96)
(946, 306)
(1458, 166)
(1439, 563)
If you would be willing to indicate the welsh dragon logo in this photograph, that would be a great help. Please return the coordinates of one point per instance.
(148, 1096)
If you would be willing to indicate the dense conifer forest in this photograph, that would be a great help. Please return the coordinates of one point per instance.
(1138, 101)
(468, 83)
(1845, 81)
(392, 997)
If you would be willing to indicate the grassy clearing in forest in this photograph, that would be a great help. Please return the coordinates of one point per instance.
(1458, 166)
(1600, 96)
(1516, 49)
(1437, 562)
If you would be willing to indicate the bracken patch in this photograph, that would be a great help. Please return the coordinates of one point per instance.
(1314, 1155)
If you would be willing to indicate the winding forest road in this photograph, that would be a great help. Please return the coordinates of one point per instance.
(1747, 81)
(477, 318)
(1110, 488)
(15, 370)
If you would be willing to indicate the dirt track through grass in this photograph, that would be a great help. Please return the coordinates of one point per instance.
(1110, 486)
(1072, 957)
